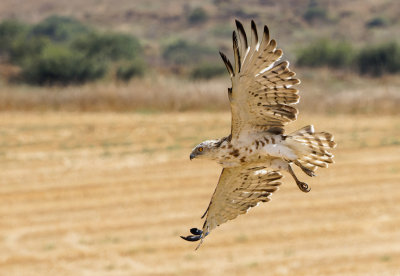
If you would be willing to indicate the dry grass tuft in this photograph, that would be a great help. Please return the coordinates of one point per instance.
(321, 91)
(325, 91)
(160, 94)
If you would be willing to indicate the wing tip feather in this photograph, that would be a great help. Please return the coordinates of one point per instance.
(242, 33)
(236, 52)
(254, 32)
(266, 31)
(227, 63)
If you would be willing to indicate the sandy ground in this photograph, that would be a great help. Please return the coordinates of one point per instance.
(109, 194)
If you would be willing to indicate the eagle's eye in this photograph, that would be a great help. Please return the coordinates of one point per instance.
(200, 149)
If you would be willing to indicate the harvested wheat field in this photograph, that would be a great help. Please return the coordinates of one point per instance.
(109, 194)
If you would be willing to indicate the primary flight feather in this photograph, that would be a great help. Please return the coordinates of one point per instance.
(262, 100)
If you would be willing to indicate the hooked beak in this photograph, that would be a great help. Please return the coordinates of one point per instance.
(192, 156)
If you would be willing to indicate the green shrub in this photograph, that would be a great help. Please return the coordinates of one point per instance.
(58, 64)
(60, 28)
(197, 15)
(108, 46)
(61, 50)
(12, 34)
(207, 71)
(376, 22)
(377, 60)
(133, 69)
(25, 48)
(181, 52)
(10, 30)
(20, 41)
(326, 53)
(315, 12)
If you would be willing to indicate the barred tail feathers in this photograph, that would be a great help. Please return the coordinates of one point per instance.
(312, 148)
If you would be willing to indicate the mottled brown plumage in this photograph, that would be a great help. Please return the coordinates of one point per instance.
(262, 102)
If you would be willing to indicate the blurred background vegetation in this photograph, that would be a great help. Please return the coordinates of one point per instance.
(62, 50)
(70, 43)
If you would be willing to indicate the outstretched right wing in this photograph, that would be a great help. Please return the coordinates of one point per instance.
(238, 190)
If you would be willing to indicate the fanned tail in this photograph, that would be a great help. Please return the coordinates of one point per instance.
(312, 148)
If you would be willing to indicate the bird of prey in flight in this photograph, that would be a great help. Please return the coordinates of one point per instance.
(262, 100)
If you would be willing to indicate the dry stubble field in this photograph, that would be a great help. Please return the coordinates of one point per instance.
(109, 194)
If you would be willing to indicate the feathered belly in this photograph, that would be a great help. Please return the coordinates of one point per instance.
(278, 150)
(261, 150)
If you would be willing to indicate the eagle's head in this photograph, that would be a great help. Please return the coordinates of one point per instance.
(206, 150)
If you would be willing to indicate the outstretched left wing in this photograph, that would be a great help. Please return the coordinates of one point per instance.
(238, 190)
(262, 97)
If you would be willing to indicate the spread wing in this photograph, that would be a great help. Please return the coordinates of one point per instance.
(261, 96)
(238, 189)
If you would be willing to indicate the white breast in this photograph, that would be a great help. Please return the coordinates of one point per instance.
(278, 150)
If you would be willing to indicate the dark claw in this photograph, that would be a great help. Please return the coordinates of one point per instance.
(197, 235)
(196, 231)
(303, 187)
(192, 238)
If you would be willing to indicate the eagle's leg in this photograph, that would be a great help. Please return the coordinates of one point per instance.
(304, 169)
(302, 186)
